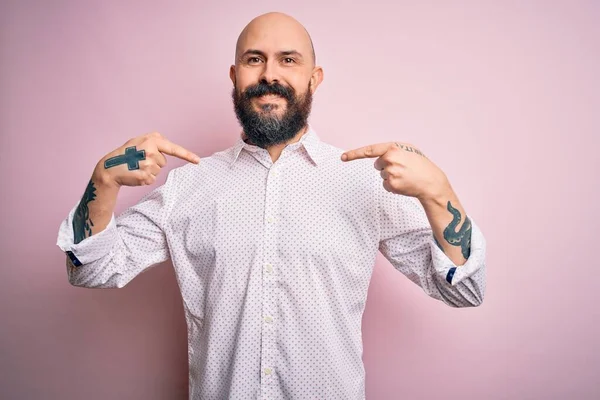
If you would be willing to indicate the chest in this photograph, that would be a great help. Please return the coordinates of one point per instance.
(295, 213)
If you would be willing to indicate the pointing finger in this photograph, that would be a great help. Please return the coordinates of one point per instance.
(168, 147)
(373, 150)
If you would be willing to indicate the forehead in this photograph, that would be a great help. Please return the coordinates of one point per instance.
(273, 38)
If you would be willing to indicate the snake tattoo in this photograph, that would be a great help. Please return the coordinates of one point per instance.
(461, 238)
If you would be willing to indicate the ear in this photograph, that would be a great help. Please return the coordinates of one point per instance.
(316, 78)
(232, 74)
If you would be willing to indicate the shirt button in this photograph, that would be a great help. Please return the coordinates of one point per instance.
(270, 219)
(269, 268)
(268, 371)
(268, 319)
(274, 173)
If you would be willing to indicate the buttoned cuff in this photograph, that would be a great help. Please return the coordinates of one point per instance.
(89, 249)
(452, 273)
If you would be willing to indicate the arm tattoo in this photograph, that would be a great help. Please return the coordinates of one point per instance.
(461, 238)
(82, 224)
(132, 158)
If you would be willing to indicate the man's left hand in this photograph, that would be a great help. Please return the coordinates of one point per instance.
(404, 169)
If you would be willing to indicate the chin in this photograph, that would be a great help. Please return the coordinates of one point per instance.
(270, 108)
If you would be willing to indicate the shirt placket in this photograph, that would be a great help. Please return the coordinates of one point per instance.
(270, 317)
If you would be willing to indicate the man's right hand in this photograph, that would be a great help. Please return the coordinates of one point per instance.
(139, 161)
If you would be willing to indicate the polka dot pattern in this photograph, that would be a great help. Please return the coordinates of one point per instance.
(274, 261)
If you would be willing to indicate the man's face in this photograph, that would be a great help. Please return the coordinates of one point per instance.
(274, 78)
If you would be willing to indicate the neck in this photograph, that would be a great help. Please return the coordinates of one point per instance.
(276, 149)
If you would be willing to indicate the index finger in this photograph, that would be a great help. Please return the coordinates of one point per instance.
(370, 151)
(166, 146)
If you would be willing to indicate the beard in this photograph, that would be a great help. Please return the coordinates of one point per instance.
(265, 127)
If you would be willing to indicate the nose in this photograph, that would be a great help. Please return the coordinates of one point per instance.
(269, 73)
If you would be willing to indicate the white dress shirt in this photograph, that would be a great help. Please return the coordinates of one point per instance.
(274, 261)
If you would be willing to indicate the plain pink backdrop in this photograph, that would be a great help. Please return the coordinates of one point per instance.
(504, 96)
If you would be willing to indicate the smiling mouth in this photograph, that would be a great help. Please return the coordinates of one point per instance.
(269, 97)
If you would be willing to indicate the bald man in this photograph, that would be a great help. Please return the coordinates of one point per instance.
(274, 78)
(273, 240)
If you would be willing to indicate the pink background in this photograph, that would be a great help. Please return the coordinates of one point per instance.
(504, 96)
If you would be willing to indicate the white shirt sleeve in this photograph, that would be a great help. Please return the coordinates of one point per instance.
(130, 244)
(407, 242)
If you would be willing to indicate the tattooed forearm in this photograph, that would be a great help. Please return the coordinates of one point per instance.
(132, 158)
(461, 238)
(410, 149)
(82, 224)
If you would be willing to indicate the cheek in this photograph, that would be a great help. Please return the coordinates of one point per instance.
(240, 86)
(300, 85)
(245, 78)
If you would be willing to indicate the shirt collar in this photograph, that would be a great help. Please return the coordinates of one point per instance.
(310, 141)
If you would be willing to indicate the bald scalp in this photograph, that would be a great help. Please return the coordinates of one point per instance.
(269, 22)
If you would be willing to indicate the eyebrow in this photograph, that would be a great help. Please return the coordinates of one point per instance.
(280, 53)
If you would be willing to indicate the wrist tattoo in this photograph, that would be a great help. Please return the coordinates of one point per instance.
(82, 224)
(132, 158)
(462, 237)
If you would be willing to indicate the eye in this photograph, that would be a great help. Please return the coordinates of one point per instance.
(289, 60)
(252, 60)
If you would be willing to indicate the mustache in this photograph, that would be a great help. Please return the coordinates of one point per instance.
(262, 89)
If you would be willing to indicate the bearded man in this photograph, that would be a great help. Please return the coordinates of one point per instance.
(273, 240)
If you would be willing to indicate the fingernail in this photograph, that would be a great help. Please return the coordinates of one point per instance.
(344, 157)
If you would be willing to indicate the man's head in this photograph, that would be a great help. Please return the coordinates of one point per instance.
(274, 78)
